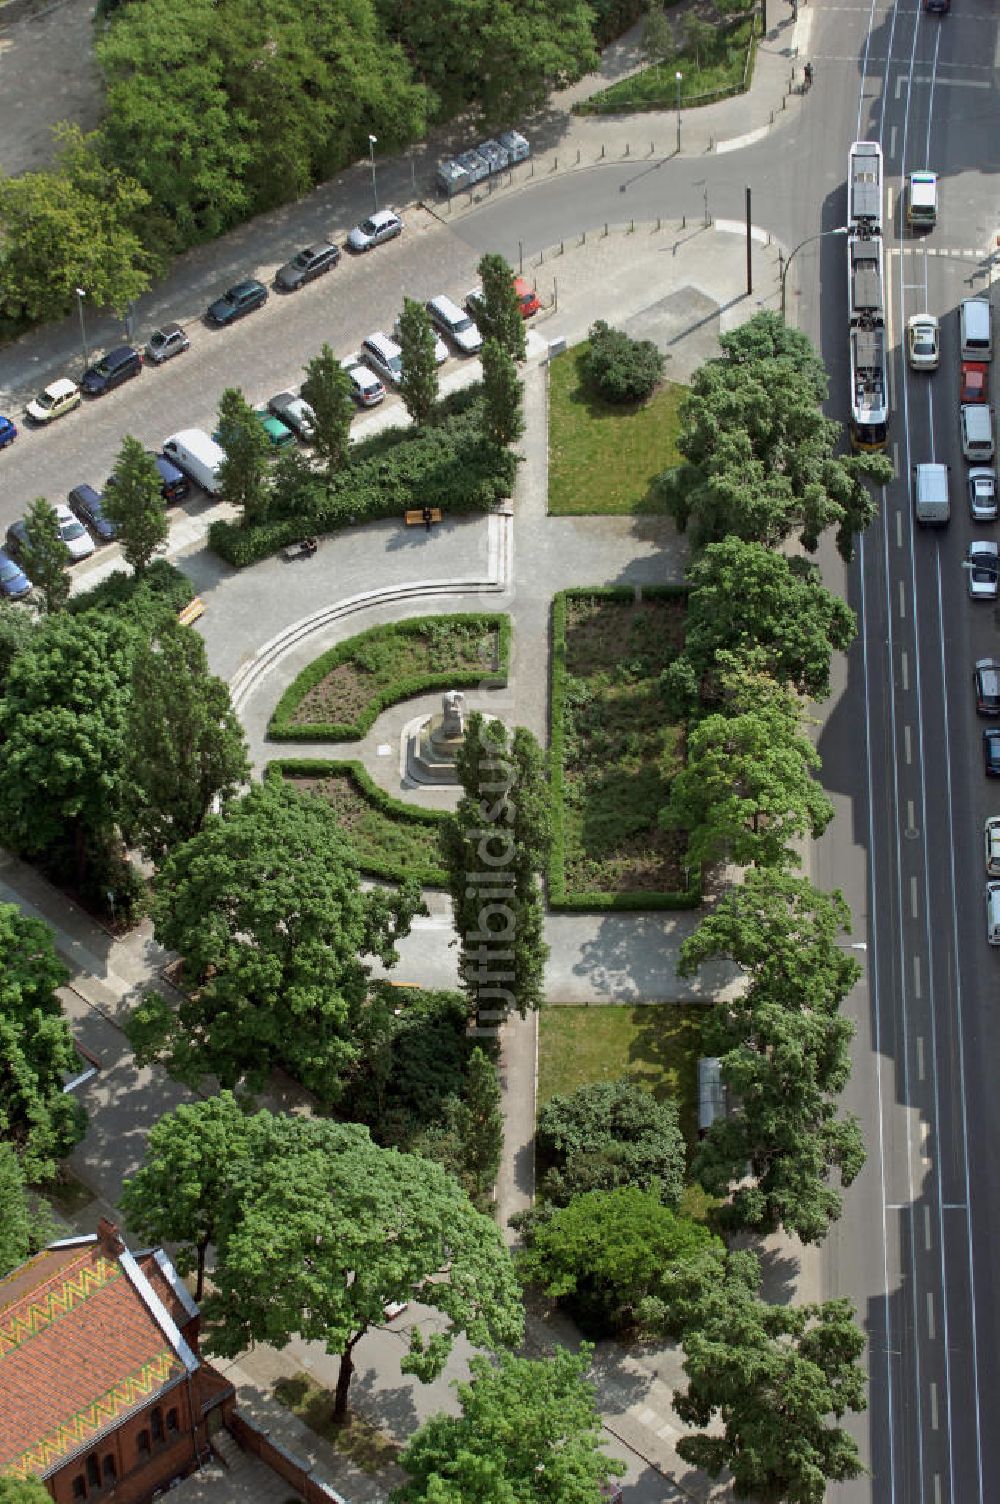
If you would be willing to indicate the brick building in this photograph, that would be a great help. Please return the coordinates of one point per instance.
(103, 1394)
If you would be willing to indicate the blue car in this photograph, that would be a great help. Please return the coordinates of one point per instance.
(239, 300)
(14, 583)
(8, 431)
(88, 505)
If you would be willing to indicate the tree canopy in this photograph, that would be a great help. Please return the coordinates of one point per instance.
(418, 385)
(133, 501)
(610, 1134)
(327, 389)
(243, 474)
(25, 1226)
(498, 315)
(45, 555)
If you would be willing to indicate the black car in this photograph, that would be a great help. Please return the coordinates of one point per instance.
(117, 366)
(310, 263)
(991, 752)
(174, 484)
(88, 505)
(241, 299)
(987, 681)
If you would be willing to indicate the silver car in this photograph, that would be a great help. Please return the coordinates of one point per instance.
(166, 342)
(982, 565)
(983, 493)
(383, 225)
(294, 412)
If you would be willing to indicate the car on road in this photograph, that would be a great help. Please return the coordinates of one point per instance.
(993, 913)
(166, 342)
(14, 583)
(311, 262)
(527, 298)
(237, 301)
(88, 505)
(384, 356)
(982, 565)
(983, 493)
(118, 366)
(987, 682)
(59, 397)
(456, 324)
(991, 837)
(440, 348)
(174, 484)
(279, 435)
(991, 752)
(8, 431)
(79, 543)
(366, 389)
(295, 413)
(974, 385)
(923, 342)
(375, 230)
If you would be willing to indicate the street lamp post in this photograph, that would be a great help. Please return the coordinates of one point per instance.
(372, 142)
(80, 295)
(678, 77)
(840, 230)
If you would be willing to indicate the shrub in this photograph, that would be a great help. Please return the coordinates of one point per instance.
(621, 369)
(162, 584)
(610, 1134)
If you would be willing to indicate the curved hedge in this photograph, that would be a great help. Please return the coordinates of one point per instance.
(282, 726)
(290, 768)
(558, 896)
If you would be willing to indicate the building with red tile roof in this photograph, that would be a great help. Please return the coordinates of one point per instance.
(104, 1393)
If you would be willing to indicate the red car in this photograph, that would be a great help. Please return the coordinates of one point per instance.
(527, 297)
(975, 383)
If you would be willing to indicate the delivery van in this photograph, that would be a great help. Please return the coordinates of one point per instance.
(931, 501)
(975, 323)
(198, 455)
(922, 200)
(975, 422)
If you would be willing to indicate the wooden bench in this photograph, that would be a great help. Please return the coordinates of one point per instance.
(415, 516)
(191, 611)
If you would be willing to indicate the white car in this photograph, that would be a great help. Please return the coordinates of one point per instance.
(983, 568)
(366, 388)
(923, 342)
(58, 398)
(983, 493)
(440, 348)
(456, 323)
(384, 356)
(991, 832)
(993, 913)
(75, 536)
(384, 225)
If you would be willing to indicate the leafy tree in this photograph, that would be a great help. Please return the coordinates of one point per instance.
(502, 827)
(784, 1050)
(243, 473)
(699, 36)
(36, 1048)
(747, 789)
(133, 501)
(26, 1225)
(186, 748)
(769, 612)
(498, 315)
(419, 382)
(658, 43)
(480, 1122)
(317, 1250)
(77, 224)
(621, 1260)
(621, 369)
(327, 389)
(30, 1490)
(768, 1379)
(503, 422)
(610, 1134)
(178, 1193)
(62, 736)
(265, 907)
(45, 555)
(529, 1432)
(16, 628)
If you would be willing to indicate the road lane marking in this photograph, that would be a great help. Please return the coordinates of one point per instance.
(899, 529)
(937, 1488)
(934, 1405)
(907, 745)
(892, 142)
(928, 1239)
(902, 600)
(920, 1057)
(904, 665)
(930, 1314)
(914, 900)
(911, 818)
(916, 977)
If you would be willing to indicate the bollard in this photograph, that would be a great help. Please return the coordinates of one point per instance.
(628, 147)
(784, 102)
(578, 156)
(657, 221)
(652, 149)
(531, 174)
(684, 222)
(562, 247)
(555, 164)
(605, 229)
(584, 238)
(602, 149)
(772, 117)
(631, 226)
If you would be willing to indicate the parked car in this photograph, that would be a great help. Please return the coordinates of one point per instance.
(982, 566)
(8, 431)
(366, 388)
(923, 342)
(527, 298)
(991, 752)
(384, 356)
(279, 435)
(987, 682)
(440, 348)
(991, 836)
(59, 397)
(373, 231)
(309, 263)
(174, 484)
(974, 385)
(14, 583)
(295, 413)
(117, 366)
(983, 494)
(73, 533)
(453, 321)
(236, 302)
(166, 342)
(88, 505)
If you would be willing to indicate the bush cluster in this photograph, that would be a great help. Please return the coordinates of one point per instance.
(621, 369)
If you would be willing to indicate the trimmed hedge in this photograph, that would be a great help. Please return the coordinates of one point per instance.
(162, 583)
(282, 727)
(394, 809)
(558, 896)
(448, 465)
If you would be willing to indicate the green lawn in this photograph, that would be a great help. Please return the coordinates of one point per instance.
(719, 70)
(655, 1045)
(604, 457)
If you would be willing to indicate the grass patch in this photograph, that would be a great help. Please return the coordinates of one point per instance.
(357, 1438)
(655, 1045)
(613, 753)
(339, 694)
(390, 839)
(604, 457)
(722, 69)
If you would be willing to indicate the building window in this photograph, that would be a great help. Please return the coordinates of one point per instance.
(142, 1442)
(172, 1418)
(156, 1424)
(93, 1471)
(79, 1487)
(110, 1471)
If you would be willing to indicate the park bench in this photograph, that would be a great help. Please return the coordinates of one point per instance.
(415, 516)
(191, 611)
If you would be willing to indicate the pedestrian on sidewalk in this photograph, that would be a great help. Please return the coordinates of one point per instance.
(426, 514)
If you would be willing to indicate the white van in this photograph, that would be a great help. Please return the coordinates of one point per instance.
(455, 322)
(922, 200)
(931, 502)
(975, 321)
(198, 456)
(993, 913)
(976, 424)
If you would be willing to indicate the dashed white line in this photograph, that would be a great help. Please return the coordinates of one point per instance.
(920, 1057)
(914, 899)
(934, 1406)
(907, 745)
(930, 1314)
(928, 1234)
(899, 529)
(902, 600)
(904, 668)
(917, 985)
